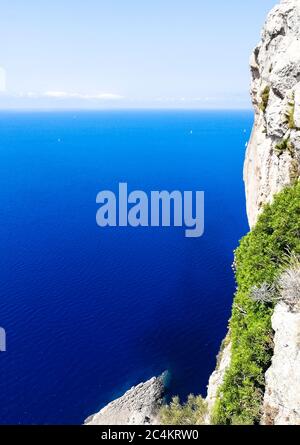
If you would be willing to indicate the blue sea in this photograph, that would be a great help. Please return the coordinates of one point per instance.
(89, 312)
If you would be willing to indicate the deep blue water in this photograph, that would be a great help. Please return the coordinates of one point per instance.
(90, 312)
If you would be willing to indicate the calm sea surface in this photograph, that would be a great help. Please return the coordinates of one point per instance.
(90, 312)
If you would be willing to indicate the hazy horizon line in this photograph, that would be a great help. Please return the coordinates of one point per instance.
(69, 109)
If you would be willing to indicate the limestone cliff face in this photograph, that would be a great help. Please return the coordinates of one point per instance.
(138, 406)
(282, 395)
(272, 161)
(272, 158)
(217, 377)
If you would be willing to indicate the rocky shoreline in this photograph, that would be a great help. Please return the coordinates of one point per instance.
(138, 406)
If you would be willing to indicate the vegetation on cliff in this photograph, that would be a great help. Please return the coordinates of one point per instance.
(259, 259)
(264, 99)
(190, 413)
(261, 265)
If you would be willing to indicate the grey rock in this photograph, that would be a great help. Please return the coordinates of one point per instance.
(138, 406)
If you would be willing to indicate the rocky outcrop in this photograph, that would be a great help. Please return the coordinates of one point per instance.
(138, 406)
(217, 377)
(273, 153)
(282, 394)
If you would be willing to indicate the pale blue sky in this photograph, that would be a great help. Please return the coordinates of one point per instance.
(128, 53)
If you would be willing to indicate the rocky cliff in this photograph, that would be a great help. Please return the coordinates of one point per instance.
(272, 162)
(282, 395)
(272, 158)
(138, 406)
(217, 377)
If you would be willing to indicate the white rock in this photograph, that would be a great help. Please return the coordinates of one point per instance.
(216, 380)
(282, 394)
(275, 63)
(274, 116)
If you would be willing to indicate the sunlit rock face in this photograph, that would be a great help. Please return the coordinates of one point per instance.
(282, 394)
(272, 158)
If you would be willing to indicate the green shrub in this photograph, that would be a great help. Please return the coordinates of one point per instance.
(290, 114)
(190, 413)
(290, 117)
(282, 146)
(259, 259)
(264, 99)
(289, 284)
(286, 145)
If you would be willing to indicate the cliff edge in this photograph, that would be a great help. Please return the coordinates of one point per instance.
(272, 157)
(282, 395)
(271, 163)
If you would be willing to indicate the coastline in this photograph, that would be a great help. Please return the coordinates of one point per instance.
(139, 405)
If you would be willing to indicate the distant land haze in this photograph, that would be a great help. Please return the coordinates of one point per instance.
(133, 54)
